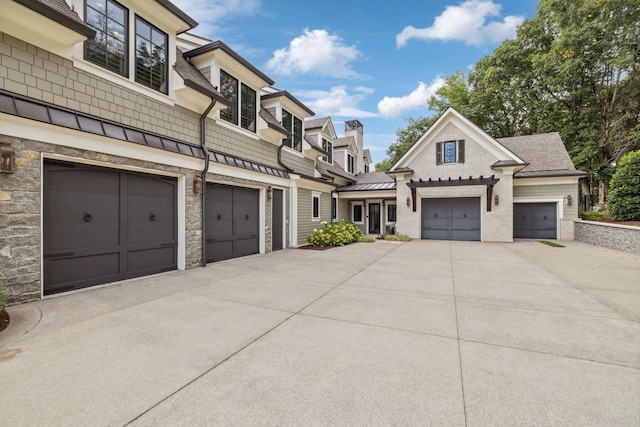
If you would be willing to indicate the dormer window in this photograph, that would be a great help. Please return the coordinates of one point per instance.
(110, 48)
(151, 56)
(450, 152)
(294, 126)
(245, 109)
(350, 163)
(328, 147)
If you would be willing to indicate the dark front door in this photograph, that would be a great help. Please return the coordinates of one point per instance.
(535, 220)
(451, 219)
(232, 222)
(102, 225)
(374, 218)
(277, 219)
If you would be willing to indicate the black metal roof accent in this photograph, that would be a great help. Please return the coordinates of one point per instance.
(369, 187)
(59, 12)
(28, 108)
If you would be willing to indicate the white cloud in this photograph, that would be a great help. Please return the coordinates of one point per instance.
(211, 14)
(315, 52)
(337, 102)
(393, 106)
(467, 23)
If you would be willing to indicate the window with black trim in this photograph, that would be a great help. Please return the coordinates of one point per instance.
(229, 89)
(334, 208)
(450, 152)
(315, 202)
(350, 163)
(391, 213)
(151, 56)
(328, 147)
(294, 125)
(248, 108)
(356, 213)
(109, 48)
(366, 168)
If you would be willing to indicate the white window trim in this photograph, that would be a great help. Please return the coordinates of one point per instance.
(314, 195)
(353, 204)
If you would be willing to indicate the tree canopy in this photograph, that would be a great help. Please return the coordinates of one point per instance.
(572, 68)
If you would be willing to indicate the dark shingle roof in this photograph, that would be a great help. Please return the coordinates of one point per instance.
(272, 122)
(289, 96)
(315, 123)
(343, 142)
(545, 154)
(195, 80)
(334, 169)
(59, 11)
(373, 177)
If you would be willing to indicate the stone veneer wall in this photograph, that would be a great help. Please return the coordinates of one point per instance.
(613, 236)
(20, 208)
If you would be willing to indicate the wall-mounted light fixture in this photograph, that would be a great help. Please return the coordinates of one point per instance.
(408, 201)
(7, 158)
(269, 193)
(197, 185)
(496, 200)
(569, 200)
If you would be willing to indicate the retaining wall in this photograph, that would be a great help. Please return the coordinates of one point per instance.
(613, 236)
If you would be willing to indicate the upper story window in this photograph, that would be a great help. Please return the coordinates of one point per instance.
(151, 56)
(350, 163)
(229, 89)
(294, 126)
(366, 168)
(328, 147)
(248, 108)
(109, 48)
(450, 152)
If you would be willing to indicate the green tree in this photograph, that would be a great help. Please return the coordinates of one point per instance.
(624, 189)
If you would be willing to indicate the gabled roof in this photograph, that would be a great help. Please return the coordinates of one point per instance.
(450, 115)
(315, 123)
(284, 93)
(343, 142)
(59, 11)
(373, 177)
(232, 53)
(196, 81)
(367, 155)
(545, 153)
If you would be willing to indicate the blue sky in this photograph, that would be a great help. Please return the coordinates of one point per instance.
(375, 61)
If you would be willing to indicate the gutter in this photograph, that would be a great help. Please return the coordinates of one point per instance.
(203, 177)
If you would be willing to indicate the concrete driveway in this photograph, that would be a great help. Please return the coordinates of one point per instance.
(419, 333)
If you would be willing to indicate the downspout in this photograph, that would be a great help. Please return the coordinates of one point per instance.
(203, 176)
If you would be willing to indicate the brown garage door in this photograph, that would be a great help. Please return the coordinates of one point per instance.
(102, 225)
(232, 222)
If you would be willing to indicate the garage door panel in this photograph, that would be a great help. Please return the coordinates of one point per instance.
(232, 222)
(95, 218)
(65, 274)
(535, 220)
(451, 219)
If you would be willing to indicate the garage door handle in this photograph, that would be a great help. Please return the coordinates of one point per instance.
(219, 217)
(247, 217)
(152, 217)
(87, 217)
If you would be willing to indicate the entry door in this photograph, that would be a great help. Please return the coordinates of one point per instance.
(277, 219)
(102, 225)
(374, 218)
(232, 222)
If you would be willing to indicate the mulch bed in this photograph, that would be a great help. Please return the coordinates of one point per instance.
(4, 320)
(316, 248)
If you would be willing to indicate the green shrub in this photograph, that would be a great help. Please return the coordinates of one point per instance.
(334, 234)
(624, 189)
(396, 237)
(591, 215)
(4, 294)
(366, 239)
